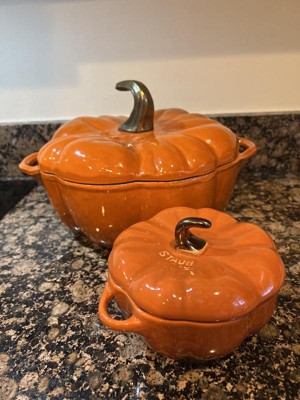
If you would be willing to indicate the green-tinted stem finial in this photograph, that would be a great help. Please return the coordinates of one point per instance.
(141, 117)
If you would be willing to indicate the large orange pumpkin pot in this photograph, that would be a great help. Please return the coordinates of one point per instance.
(104, 174)
(196, 294)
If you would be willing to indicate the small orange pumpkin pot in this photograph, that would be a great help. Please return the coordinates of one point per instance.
(105, 174)
(194, 287)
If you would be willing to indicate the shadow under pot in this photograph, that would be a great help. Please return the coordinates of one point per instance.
(104, 174)
(195, 294)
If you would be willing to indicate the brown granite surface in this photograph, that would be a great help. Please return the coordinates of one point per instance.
(53, 346)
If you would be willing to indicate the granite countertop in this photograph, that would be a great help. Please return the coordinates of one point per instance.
(53, 346)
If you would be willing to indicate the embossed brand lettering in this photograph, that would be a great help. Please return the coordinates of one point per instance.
(175, 260)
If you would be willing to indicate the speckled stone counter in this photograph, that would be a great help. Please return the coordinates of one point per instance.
(53, 346)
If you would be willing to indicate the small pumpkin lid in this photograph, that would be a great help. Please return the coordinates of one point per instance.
(211, 269)
(150, 145)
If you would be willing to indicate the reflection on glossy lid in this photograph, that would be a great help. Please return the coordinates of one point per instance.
(236, 268)
(182, 145)
(149, 146)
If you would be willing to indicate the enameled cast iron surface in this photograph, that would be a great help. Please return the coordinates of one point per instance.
(93, 170)
(193, 303)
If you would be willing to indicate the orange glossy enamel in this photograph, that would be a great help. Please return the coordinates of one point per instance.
(183, 339)
(225, 292)
(93, 172)
(182, 145)
(238, 269)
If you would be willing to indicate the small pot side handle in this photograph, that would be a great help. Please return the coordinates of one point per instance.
(250, 149)
(132, 324)
(29, 165)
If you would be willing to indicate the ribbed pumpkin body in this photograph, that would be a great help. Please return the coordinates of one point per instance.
(104, 174)
(198, 304)
(101, 180)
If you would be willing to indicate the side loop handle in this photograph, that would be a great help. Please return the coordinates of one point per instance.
(249, 149)
(142, 115)
(131, 324)
(29, 165)
(184, 239)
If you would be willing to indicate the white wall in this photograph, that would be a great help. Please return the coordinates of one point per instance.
(62, 58)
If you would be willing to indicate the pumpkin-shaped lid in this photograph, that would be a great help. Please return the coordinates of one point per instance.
(150, 146)
(212, 269)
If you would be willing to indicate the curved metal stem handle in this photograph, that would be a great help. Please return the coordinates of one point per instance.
(141, 117)
(185, 240)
